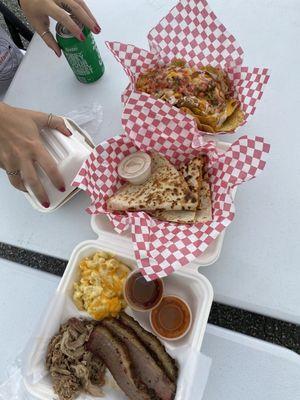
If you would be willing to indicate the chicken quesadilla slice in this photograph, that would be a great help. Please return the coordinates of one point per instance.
(204, 211)
(166, 189)
(192, 173)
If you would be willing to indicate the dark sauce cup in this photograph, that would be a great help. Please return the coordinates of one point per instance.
(140, 294)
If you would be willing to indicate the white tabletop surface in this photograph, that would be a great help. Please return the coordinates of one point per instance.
(258, 268)
(24, 296)
(241, 368)
(248, 369)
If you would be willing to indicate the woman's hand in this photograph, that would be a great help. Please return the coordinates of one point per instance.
(21, 149)
(39, 11)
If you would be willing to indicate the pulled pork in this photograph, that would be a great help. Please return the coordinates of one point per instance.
(72, 368)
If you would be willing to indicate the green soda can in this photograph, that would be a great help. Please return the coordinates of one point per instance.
(83, 57)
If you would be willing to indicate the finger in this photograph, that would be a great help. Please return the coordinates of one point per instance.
(31, 179)
(49, 166)
(88, 11)
(16, 180)
(48, 38)
(64, 18)
(59, 124)
(42, 120)
(76, 9)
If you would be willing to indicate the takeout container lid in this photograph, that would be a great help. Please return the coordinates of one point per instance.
(188, 284)
(69, 154)
(103, 229)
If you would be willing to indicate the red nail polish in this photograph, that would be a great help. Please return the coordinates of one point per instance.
(97, 29)
(82, 37)
(46, 204)
(69, 132)
(62, 189)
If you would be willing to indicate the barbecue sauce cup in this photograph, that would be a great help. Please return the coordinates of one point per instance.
(172, 318)
(140, 294)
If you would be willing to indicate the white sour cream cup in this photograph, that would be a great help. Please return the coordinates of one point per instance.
(135, 168)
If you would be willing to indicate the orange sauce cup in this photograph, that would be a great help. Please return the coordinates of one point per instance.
(172, 318)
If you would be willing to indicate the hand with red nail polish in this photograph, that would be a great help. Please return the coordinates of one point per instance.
(38, 13)
(22, 150)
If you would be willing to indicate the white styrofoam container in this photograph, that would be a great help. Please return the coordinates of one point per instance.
(101, 224)
(69, 154)
(187, 283)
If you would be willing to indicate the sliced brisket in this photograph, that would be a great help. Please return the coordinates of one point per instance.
(154, 345)
(146, 367)
(117, 359)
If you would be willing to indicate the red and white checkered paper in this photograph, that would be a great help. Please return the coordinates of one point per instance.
(162, 247)
(146, 121)
(192, 31)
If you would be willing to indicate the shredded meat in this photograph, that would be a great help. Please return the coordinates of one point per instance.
(73, 368)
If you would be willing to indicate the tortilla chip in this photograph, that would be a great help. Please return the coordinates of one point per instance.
(233, 121)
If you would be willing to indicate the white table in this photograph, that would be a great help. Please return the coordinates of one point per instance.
(258, 268)
(248, 369)
(24, 295)
(242, 367)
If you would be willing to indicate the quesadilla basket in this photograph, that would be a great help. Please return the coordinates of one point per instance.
(102, 226)
(162, 247)
(192, 32)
